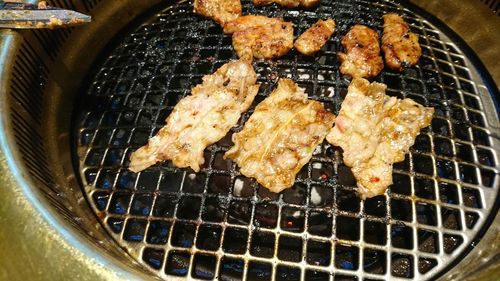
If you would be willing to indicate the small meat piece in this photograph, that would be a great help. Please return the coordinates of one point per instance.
(362, 57)
(313, 39)
(265, 40)
(221, 11)
(280, 136)
(400, 46)
(375, 131)
(201, 119)
(248, 21)
(288, 3)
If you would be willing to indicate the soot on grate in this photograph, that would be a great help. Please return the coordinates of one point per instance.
(217, 223)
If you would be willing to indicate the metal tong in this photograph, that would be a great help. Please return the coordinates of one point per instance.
(31, 16)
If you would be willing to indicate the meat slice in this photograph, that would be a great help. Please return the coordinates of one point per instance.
(400, 46)
(362, 56)
(280, 136)
(201, 119)
(375, 131)
(288, 3)
(221, 11)
(260, 37)
(313, 39)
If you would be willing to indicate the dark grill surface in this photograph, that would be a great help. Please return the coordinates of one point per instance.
(217, 223)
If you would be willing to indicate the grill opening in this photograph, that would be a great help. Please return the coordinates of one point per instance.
(220, 224)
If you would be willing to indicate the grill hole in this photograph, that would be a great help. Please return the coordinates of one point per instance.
(348, 201)
(481, 137)
(402, 236)
(318, 253)
(177, 263)
(240, 212)
(375, 232)
(448, 193)
(230, 269)
(147, 180)
(451, 242)
(423, 164)
(347, 228)
(292, 219)
(262, 244)
(321, 196)
(189, 208)
(183, 234)
(153, 257)
(158, 232)
(101, 200)
(471, 198)
(401, 210)
(165, 206)
(314, 275)
(126, 180)
(119, 203)
(171, 182)
(141, 205)
(243, 187)
(443, 147)
(426, 264)
(296, 195)
(219, 184)
(203, 267)
(376, 206)
(266, 215)
(290, 248)
(426, 213)
(320, 223)
(235, 240)
(192, 183)
(470, 219)
(485, 157)
(374, 261)
(134, 230)
(468, 174)
(422, 144)
(428, 241)
(441, 127)
(266, 195)
(451, 218)
(488, 177)
(259, 271)
(445, 169)
(346, 257)
(116, 224)
(424, 188)
(401, 184)
(402, 266)
(286, 273)
(214, 209)
(208, 237)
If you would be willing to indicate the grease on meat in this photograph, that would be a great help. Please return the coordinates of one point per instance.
(400, 46)
(201, 119)
(280, 136)
(221, 11)
(288, 3)
(362, 57)
(313, 39)
(260, 37)
(375, 131)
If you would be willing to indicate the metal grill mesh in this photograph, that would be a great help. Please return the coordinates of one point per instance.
(217, 223)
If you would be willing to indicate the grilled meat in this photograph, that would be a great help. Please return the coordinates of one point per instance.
(362, 56)
(280, 136)
(315, 37)
(260, 37)
(201, 119)
(288, 3)
(400, 46)
(248, 21)
(221, 11)
(375, 131)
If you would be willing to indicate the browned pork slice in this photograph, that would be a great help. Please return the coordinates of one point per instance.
(375, 131)
(221, 11)
(201, 119)
(400, 46)
(280, 136)
(313, 39)
(362, 53)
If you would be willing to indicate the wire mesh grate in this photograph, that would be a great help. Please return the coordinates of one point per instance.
(217, 223)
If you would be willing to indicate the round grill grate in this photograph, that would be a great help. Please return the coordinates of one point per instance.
(217, 223)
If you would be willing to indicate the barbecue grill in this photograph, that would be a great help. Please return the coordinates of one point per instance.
(76, 102)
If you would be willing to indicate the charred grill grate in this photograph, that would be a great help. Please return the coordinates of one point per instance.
(217, 223)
